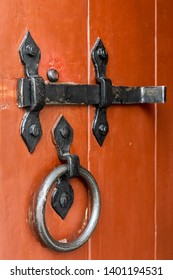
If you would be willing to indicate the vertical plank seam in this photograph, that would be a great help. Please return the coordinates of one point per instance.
(155, 137)
(89, 115)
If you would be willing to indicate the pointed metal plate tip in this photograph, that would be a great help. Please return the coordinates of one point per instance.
(100, 125)
(30, 55)
(31, 131)
(62, 134)
(99, 57)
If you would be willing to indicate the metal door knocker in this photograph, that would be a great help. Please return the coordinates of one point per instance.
(62, 196)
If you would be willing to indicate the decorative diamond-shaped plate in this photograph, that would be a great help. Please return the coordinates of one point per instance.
(30, 55)
(99, 57)
(31, 131)
(62, 136)
(62, 197)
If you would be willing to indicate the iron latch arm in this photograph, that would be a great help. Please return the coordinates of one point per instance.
(76, 94)
(34, 93)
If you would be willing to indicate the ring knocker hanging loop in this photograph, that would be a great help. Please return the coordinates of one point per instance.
(40, 210)
(71, 169)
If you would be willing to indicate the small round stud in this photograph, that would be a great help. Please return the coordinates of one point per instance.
(52, 75)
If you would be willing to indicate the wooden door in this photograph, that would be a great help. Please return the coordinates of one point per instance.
(133, 168)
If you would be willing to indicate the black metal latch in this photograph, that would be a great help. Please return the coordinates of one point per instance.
(34, 93)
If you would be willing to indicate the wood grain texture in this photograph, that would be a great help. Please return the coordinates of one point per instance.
(165, 133)
(133, 168)
(124, 166)
(54, 26)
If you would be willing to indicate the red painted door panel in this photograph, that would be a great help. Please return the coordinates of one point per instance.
(55, 27)
(165, 133)
(132, 168)
(126, 165)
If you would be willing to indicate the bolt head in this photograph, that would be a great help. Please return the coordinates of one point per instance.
(65, 131)
(52, 75)
(103, 129)
(34, 130)
(101, 52)
(64, 200)
(31, 50)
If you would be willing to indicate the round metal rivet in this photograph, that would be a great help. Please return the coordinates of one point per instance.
(64, 199)
(102, 53)
(31, 50)
(103, 129)
(34, 130)
(65, 131)
(52, 75)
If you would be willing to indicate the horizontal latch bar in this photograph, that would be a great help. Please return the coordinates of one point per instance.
(71, 94)
(134, 95)
(76, 94)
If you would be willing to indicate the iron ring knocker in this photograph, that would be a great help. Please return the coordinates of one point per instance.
(63, 136)
(39, 215)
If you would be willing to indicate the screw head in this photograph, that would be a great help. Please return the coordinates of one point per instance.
(31, 50)
(52, 75)
(103, 129)
(34, 130)
(64, 200)
(101, 52)
(65, 131)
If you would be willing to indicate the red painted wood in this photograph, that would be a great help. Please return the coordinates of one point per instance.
(136, 190)
(165, 133)
(124, 166)
(55, 27)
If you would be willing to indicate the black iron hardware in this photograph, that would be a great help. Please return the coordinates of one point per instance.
(34, 93)
(31, 92)
(62, 197)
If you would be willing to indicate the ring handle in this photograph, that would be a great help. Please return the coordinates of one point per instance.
(39, 213)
